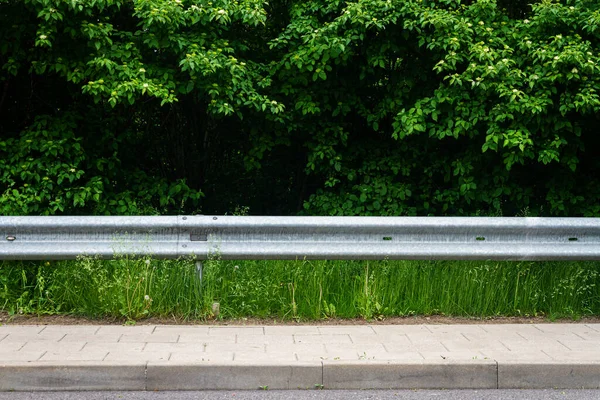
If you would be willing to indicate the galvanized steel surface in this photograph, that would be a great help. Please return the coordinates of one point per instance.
(255, 237)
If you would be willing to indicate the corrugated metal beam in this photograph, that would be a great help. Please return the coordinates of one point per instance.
(253, 237)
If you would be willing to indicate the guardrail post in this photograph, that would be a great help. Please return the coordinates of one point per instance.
(199, 270)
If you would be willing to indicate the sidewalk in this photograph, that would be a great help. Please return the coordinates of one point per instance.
(307, 357)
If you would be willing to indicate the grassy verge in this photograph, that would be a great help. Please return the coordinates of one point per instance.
(139, 288)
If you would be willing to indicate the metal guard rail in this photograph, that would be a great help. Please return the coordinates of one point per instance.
(252, 237)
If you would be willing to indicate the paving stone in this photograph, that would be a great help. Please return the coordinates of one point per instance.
(202, 338)
(592, 355)
(175, 347)
(449, 330)
(72, 329)
(236, 330)
(137, 356)
(422, 343)
(192, 357)
(401, 329)
(471, 355)
(220, 347)
(322, 339)
(401, 347)
(292, 330)
(32, 336)
(563, 328)
(266, 339)
(164, 337)
(400, 339)
(288, 356)
(460, 345)
(541, 344)
(347, 330)
(396, 356)
(296, 348)
(482, 336)
(358, 351)
(18, 329)
(529, 355)
(11, 346)
(138, 329)
(20, 356)
(74, 355)
(105, 346)
(195, 330)
(578, 344)
(84, 337)
(46, 346)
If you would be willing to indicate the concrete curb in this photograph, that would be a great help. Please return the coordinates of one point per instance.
(233, 376)
(479, 374)
(546, 375)
(76, 375)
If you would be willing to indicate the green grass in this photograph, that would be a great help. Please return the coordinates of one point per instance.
(138, 288)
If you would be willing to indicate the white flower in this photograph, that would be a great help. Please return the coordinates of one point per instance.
(147, 262)
(221, 12)
(145, 85)
(526, 21)
(556, 57)
(515, 91)
(43, 37)
(147, 298)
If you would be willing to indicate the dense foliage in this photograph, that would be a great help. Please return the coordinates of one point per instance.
(365, 107)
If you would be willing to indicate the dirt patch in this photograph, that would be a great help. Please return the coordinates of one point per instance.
(6, 319)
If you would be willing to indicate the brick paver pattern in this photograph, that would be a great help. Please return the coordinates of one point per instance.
(300, 343)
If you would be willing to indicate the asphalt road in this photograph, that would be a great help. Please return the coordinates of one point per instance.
(314, 395)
